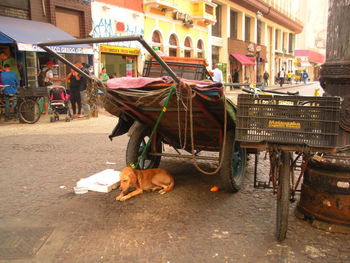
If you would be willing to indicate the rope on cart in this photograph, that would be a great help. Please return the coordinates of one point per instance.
(222, 151)
(164, 109)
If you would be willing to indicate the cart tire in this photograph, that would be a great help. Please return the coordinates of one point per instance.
(29, 111)
(283, 196)
(137, 141)
(233, 166)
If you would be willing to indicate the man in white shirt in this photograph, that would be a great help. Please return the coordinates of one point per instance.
(282, 75)
(217, 74)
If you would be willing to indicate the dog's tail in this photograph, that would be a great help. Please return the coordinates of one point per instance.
(169, 187)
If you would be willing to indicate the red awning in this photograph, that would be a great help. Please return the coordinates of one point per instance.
(244, 60)
(312, 56)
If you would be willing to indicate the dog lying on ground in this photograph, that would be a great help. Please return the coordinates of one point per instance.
(150, 179)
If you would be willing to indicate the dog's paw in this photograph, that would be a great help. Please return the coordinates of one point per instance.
(122, 199)
(162, 192)
(118, 197)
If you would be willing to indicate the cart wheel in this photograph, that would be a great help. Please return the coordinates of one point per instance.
(283, 195)
(52, 119)
(29, 111)
(234, 164)
(67, 119)
(137, 142)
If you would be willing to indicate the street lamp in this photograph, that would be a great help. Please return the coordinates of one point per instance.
(259, 17)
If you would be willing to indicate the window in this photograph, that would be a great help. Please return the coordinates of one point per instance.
(69, 21)
(21, 4)
(291, 42)
(233, 21)
(173, 46)
(188, 47)
(247, 28)
(157, 41)
(200, 53)
(216, 29)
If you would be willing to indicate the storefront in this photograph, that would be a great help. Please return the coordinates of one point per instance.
(120, 59)
(19, 39)
(310, 61)
(243, 58)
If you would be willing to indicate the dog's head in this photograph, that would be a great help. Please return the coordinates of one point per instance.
(127, 177)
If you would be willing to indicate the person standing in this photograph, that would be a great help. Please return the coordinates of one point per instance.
(48, 81)
(11, 83)
(304, 76)
(7, 60)
(281, 76)
(103, 76)
(83, 91)
(290, 75)
(266, 79)
(217, 74)
(74, 88)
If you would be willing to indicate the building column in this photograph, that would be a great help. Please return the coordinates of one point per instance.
(225, 34)
(273, 71)
(255, 31)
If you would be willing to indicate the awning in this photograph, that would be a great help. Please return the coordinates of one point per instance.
(27, 33)
(312, 56)
(243, 59)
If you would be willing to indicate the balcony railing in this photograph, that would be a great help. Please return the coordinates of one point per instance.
(165, 5)
(204, 11)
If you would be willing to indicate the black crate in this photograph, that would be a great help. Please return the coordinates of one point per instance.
(297, 120)
(33, 92)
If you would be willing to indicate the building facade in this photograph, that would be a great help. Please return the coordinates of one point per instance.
(253, 36)
(179, 28)
(24, 23)
(112, 18)
(311, 43)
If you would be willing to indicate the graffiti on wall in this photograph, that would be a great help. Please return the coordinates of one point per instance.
(106, 27)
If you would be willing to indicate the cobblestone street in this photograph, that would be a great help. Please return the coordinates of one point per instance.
(41, 163)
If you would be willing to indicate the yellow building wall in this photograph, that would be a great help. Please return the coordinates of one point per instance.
(167, 25)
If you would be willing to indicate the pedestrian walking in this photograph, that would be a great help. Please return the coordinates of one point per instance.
(304, 76)
(289, 76)
(281, 76)
(266, 79)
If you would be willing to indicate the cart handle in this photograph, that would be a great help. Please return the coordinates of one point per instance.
(139, 38)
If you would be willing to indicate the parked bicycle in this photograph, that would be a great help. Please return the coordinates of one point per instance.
(24, 109)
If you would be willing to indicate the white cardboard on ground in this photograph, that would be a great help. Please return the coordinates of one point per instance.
(104, 181)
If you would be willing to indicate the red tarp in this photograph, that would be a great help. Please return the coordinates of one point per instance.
(135, 83)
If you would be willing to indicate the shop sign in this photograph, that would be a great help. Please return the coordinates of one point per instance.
(120, 50)
(57, 49)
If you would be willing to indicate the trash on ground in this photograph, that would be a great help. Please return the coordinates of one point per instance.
(104, 181)
(214, 189)
(110, 162)
(62, 186)
(80, 190)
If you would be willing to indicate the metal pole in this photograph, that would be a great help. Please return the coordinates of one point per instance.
(138, 38)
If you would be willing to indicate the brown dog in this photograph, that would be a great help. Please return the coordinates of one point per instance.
(150, 179)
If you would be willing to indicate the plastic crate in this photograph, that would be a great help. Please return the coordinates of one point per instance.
(33, 92)
(297, 120)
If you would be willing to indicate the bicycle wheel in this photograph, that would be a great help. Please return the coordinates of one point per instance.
(283, 195)
(29, 111)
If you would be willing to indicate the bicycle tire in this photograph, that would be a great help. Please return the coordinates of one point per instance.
(29, 111)
(283, 196)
